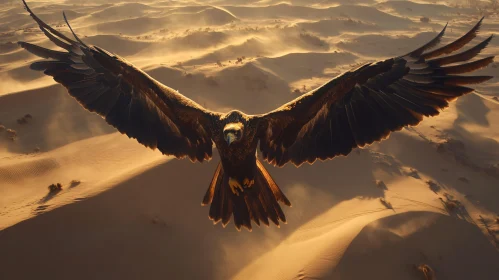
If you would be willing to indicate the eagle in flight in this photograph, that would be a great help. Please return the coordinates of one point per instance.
(354, 109)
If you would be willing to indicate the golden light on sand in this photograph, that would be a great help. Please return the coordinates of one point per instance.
(423, 202)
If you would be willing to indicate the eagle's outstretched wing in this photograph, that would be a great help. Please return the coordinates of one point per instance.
(130, 100)
(366, 104)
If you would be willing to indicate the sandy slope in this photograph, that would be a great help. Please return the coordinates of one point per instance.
(135, 214)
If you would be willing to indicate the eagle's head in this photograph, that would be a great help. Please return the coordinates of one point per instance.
(234, 124)
(233, 132)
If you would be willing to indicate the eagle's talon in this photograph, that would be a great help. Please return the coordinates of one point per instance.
(248, 183)
(235, 186)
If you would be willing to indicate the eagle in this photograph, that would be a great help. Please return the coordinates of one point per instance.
(352, 110)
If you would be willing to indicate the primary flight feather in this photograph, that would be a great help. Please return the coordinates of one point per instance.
(354, 109)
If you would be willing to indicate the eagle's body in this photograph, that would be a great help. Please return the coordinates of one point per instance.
(354, 109)
(239, 158)
(238, 152)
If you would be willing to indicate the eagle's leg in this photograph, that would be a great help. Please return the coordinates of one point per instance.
(235, 186)
(248, 183)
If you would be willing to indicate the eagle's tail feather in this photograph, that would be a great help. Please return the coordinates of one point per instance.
(258, 203)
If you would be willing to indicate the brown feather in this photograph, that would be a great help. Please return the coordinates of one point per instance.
(258, 203)
(129, 99)
(46, 26)
(466, 55)
(467, 67)
(217, 177)
(366, 104)
(429, 45)
(456, 45)
(461, 80)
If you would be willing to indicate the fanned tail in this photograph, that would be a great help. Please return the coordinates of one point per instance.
(259, 203)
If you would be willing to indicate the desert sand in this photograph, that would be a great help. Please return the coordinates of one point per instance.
(423, 204)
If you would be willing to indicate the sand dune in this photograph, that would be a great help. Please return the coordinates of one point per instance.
(198, 40)
(124, 11)
(384, 45)
(412, 9)
(333, 27)
(289, 11)
(175, 20)
(15, 20)
(417, 236)
(123, 46)
(134, 26)
(423, 200)
(263, 43)
(295, 66)
(251, 47)
(391, 248)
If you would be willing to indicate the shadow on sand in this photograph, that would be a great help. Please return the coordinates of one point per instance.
(121, 224)
(420, 238)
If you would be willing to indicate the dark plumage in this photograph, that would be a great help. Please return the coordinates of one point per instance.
(352, 110)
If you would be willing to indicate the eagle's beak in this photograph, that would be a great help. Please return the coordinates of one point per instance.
(230, 137)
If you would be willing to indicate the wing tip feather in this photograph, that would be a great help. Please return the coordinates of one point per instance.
(71, 28)
(417, 52)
